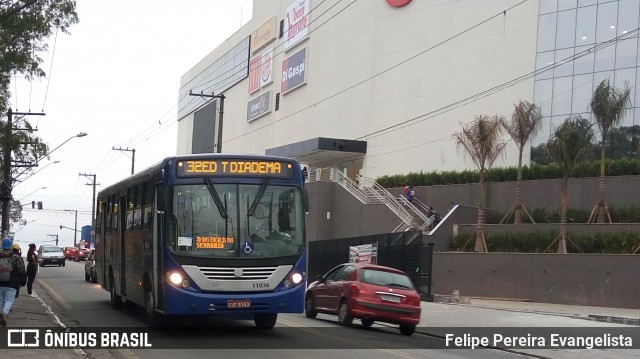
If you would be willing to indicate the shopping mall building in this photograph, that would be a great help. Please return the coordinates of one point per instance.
(379, 87)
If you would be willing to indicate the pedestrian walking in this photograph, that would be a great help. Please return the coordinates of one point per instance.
(410, 194)
(12, 272)
(18, 251)
(32, 267)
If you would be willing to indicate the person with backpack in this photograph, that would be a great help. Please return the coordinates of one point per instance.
(32, 267)
(12, 273)
(18, 251)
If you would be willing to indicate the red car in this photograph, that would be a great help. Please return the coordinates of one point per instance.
(368, 292)
(81, 254)
(70, 252)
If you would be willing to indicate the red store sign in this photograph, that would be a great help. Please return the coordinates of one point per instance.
(398, 3)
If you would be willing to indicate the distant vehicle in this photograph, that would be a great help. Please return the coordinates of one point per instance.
(51, 255)
(90, 268)
(70, 252)
(81, 254)
(368, 292)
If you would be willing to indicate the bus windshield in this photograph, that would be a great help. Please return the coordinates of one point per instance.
(236, 220)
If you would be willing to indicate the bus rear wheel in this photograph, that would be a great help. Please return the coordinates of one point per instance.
(116, 300)
(265, 321)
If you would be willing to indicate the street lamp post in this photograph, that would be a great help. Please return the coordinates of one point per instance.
(31, 193)
(8, 180)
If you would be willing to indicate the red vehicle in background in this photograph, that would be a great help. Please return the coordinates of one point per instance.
(70, 253)
(82, 254)
(368, 292)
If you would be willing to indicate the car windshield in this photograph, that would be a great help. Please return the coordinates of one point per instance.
(232, 220)
(384, 278)
(51, 249)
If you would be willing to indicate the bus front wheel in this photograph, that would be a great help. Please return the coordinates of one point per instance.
(265, 321)
(153, 319)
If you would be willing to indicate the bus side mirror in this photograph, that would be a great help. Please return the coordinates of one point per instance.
(305, 200)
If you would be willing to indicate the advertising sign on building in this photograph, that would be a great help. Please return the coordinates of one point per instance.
(254, 74)
(259, 106)
(263, 35)
(296, 21)
(365, 253)
(261, 71)
(294, 71)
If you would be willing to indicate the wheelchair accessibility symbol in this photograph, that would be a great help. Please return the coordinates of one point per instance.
(248, 247)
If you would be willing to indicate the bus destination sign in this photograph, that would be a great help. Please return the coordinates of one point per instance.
(236, 168)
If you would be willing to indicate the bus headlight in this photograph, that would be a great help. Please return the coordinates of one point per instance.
(175, 278)
(294, 279)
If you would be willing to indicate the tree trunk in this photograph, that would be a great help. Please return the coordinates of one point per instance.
(564, 200)
(601, 207)
(481, 244)
(518, 207)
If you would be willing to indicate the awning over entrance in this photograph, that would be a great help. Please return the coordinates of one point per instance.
(322, 151)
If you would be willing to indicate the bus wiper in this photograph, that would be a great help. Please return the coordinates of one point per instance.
(256, 201)
(216, 199)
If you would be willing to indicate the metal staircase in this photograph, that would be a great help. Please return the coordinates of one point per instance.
(368, 191)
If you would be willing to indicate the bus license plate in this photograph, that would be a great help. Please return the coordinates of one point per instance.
(390, 298)
(238, 304)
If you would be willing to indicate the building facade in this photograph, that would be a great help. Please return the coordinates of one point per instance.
(380, 87)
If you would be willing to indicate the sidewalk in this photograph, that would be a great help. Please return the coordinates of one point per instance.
(439, 317)
(35, 312)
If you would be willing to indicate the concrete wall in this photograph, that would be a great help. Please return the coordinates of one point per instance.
(583, 193)
(334, 213)
(580, 279)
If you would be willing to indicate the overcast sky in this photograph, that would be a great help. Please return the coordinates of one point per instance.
(115, 77)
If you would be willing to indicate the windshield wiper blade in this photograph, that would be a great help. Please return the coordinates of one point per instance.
(216, 199)
(254, 205)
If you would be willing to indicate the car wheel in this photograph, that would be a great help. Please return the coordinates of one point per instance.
(86, 277)
(367, 322)
(63, 264)
(309, 310)
(265, 321)
(407, 329)
(344, 318)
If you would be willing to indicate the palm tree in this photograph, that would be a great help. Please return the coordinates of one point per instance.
(568, 145)
(608, 105)
(481, 141)
(526, 121)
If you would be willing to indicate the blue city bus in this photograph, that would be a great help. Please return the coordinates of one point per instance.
(206, 235)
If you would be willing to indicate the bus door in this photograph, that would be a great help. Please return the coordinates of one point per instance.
(122, 220)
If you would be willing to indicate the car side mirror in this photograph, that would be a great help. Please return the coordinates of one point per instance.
(320, 279)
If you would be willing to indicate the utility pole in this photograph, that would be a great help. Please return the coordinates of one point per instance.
(93, 203)
(133, 155)
(7, 182)
(54, 235)
(220, 111)
(75, 228)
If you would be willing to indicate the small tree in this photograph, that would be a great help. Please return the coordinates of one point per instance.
(526, 121)
(568, 145)
(481, 141)
(608, 105)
